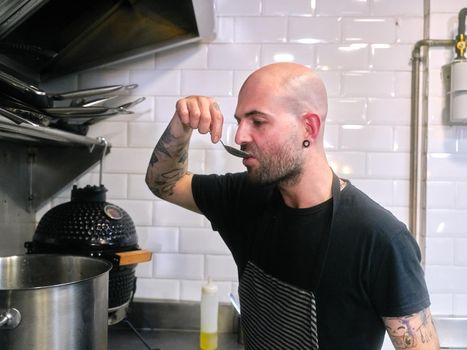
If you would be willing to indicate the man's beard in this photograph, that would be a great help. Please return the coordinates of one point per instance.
(280, 165)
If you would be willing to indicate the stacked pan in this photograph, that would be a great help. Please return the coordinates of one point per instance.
(72, 111)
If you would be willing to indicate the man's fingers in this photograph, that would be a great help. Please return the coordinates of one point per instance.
(201, 113)
(182, 111)
(194, 111)
(217, 122)
(204, 125)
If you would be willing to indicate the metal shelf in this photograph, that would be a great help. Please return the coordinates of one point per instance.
(37, 133)
(38, 162)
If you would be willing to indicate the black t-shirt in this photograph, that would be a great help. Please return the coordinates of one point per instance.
(290, 248)
(303, 283)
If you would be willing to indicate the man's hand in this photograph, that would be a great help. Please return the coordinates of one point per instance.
(167, 175)
(201, 113)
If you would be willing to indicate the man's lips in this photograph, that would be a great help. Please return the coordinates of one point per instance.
(249, 150)
(250, 155)
(246, 149)
(248, 161)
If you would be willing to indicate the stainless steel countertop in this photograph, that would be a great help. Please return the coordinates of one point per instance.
(452, 332)
(126, 339)
(168, 325)
(175, 325)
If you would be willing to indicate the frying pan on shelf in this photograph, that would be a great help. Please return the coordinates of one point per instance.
(92, 111)
(33, 95)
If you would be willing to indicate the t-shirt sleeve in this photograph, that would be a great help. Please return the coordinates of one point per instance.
(399, 287)
(221, 197)
(209, 195)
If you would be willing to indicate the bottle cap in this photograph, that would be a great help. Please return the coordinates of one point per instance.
(210, 287)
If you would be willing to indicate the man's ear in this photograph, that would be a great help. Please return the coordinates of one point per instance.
(312, 125)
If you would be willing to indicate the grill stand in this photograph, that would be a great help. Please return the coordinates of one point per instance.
(119, 314)
(138, 334)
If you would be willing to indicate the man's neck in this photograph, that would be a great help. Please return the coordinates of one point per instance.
(314, 187)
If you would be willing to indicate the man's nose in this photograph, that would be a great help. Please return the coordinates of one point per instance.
(242, 135)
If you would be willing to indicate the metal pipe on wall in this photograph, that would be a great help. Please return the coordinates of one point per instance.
(418, 144)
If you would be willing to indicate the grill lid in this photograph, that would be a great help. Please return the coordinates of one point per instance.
(86, 223)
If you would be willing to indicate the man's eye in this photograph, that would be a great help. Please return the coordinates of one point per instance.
(257, 122)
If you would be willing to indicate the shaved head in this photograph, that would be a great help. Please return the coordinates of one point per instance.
(301, 88)
(280, 106)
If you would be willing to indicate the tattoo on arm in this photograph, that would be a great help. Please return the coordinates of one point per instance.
(153, 159)
(165, 140)
(412, 331)
(168, 163)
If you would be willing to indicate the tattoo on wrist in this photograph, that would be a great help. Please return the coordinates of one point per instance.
(165, 140)
(174, 153)
(153, 159)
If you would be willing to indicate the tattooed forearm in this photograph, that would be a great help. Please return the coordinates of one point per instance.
(164, 183)
(154, 159)
(183, 157)
(167, 139)
(161, 147)
(163, 189)
(416, 331)
(168, 162)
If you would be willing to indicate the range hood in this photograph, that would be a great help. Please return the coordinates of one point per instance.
(43, 39)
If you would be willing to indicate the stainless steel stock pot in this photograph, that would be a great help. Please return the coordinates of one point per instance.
(53, 302)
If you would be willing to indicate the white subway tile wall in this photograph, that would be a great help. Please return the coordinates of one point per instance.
(446, 233)
(409, 29)
(312, 30)
(362, 50)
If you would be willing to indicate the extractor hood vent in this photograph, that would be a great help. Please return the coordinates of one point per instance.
(42, 39)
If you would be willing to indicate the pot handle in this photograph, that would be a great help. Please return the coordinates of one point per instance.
(10, 319)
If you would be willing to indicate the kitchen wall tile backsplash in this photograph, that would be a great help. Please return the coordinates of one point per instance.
(369, 30)
(313, 30)
(343, 7)
(362, 50)
(288, 8)
(446, 236)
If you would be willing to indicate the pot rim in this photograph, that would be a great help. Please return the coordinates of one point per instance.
(105, 267)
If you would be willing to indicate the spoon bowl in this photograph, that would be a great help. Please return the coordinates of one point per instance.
(234, 151)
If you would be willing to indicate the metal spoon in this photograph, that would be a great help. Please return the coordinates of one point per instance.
(235, 152)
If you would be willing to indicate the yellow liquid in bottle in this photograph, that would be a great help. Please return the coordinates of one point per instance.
(208, 341)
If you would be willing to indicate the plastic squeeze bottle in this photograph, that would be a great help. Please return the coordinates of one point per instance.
(209, 316)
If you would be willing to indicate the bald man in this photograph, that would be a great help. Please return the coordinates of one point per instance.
(320, 264)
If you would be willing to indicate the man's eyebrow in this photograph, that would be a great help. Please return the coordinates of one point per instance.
(252, 114)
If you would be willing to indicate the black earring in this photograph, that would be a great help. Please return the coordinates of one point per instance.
(306, 143)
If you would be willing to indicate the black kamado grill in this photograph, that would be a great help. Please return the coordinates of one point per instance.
(90, 226)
